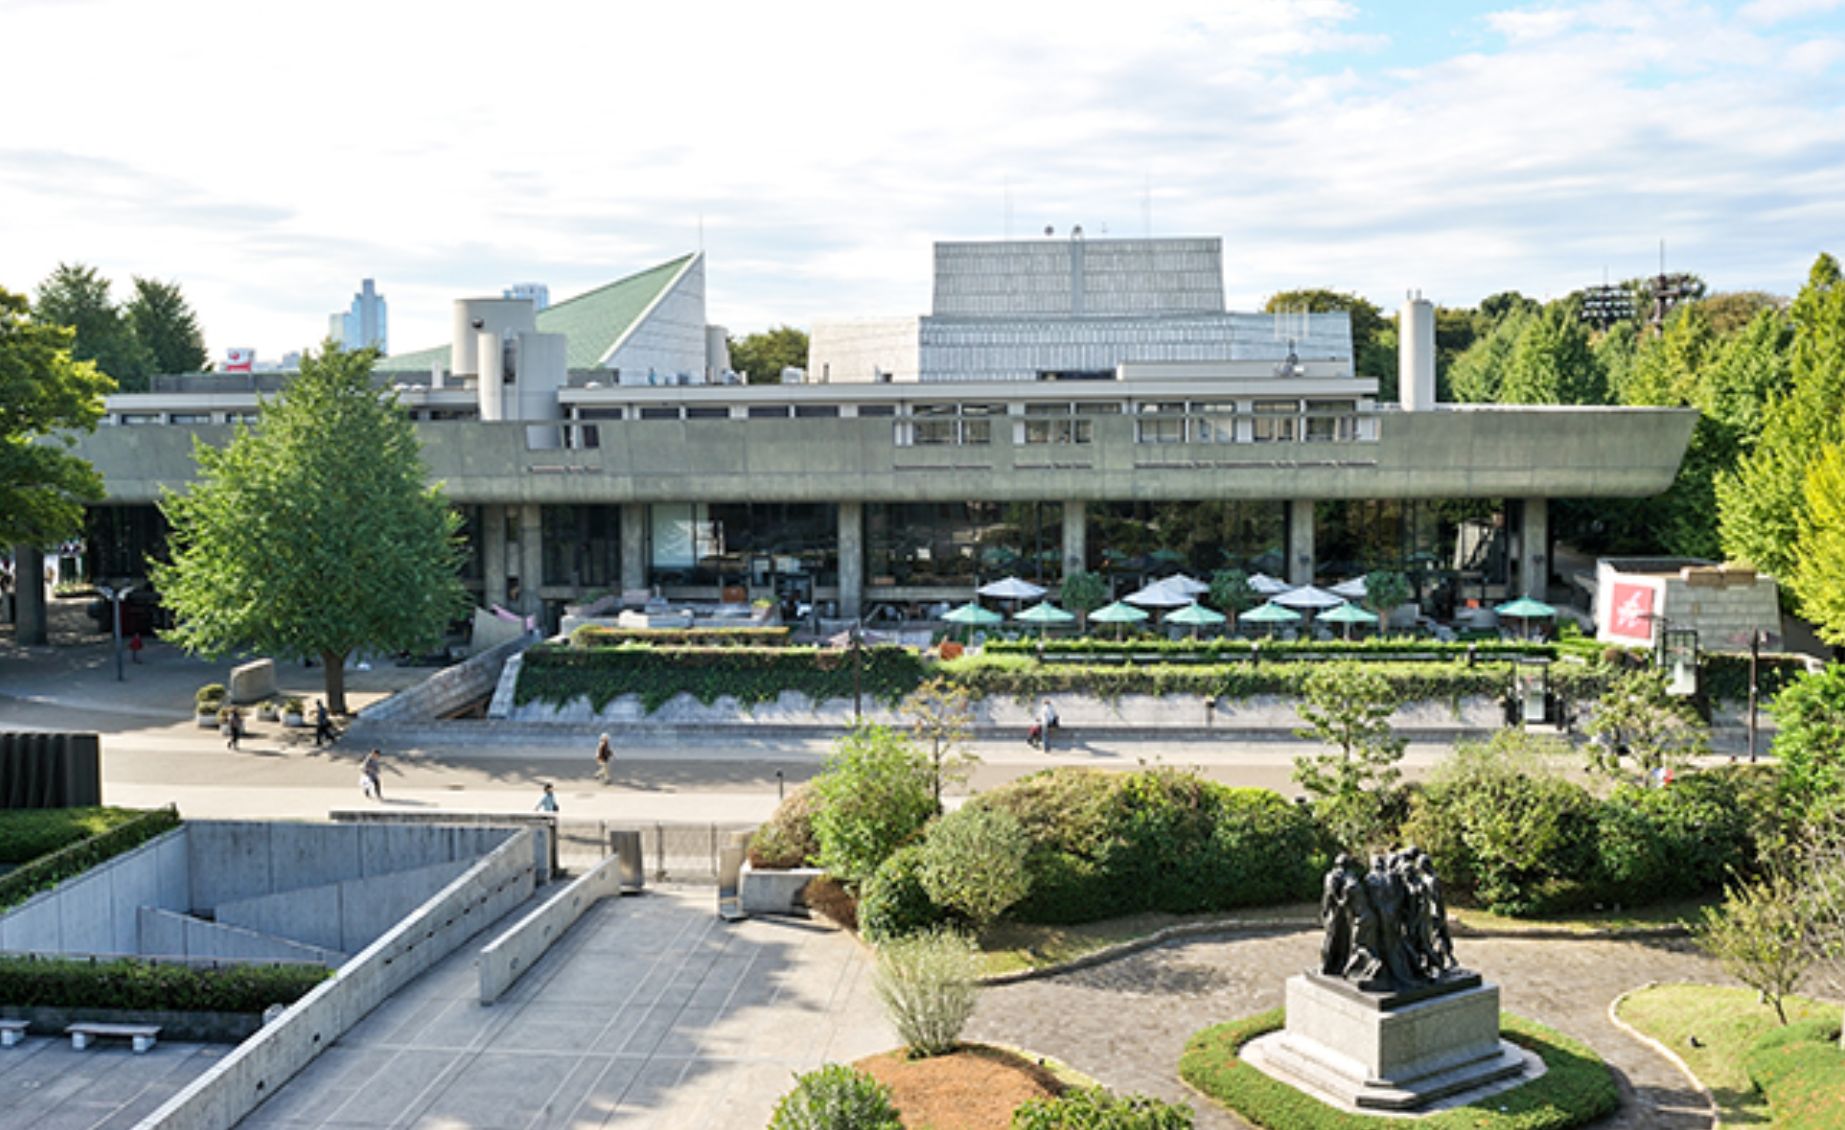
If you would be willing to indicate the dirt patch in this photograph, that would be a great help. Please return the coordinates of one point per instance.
(975, 1088)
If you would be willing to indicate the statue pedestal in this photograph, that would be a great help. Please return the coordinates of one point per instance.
(1401, 1051)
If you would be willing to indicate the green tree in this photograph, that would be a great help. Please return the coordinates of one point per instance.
(974, 863)
(941, 713)
(164, 324)
(76, 296)
(1551, 362)
(1810, 738)
(1818, 579)
(876, 794)
(1477, 374)
(1822, 880)
(1636, 717)
(1373, 355)
(764, 355)
(1760, 934)
(1355, 790)
(1731, 310)
(314, 534)
(1231, 593)
(43, 393)
(1083, 593)
(1761, 504)
(1386, 590)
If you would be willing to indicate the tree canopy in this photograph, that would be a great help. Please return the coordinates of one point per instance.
(43, 392)
(164, 324)
(314, 534)
(764, 355)
(77, 296)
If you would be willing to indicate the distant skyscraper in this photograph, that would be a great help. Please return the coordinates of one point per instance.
(539, 293)
(364, 324)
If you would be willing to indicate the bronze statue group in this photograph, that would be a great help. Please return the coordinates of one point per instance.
(1387, 927)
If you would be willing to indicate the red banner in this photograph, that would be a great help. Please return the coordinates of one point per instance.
(1631, 612)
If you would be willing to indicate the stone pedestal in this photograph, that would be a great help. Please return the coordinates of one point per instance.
(1401, 1051)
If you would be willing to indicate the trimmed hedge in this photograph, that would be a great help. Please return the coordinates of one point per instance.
(559, 674)
(1271, 649)
(1726, 676)
(27, 833)
(1108, 844)
(1577, 1088)
(1802, 1072)
(595, 635)
(48, 871)
(786, 839)
(1094, 1108)
(60, 982)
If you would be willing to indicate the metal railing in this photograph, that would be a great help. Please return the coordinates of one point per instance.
(680, 853)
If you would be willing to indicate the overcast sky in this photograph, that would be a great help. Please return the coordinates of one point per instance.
(267, 156)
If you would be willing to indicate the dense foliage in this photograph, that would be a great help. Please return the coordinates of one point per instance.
(876, 794)
(1094, 1108)
(1801, 1069)
(596, 635)
(928, 982)
(43, 392)
(1576, 1088)
(836, 1097)
(894, 902)
(1810, 738)
(1353, 779)
(132, 983)
(48, 871)
(27, 833)
(751, 675)
(786, 839)
(973, 863)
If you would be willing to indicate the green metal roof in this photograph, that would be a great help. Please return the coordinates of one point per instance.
(594, 322)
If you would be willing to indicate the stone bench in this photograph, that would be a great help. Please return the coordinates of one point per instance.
(11, 1032)
(142, 1034)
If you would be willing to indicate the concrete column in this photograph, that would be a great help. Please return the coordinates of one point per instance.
(531, 556)
(1534, 549)
(1075, 535)
(851, 560)
(633, 546)
(493, 553)
(1300, 541)
(30, 613)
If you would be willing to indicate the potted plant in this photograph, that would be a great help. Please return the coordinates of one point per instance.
(269, 710)
(206, 704)
(291, 712)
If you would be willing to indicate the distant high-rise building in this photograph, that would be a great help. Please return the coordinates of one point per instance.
(364, 325)
(539, 293)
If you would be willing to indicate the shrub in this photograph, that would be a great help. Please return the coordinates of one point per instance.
(1760, 935)
(928, 982)
(1678, 841)
(1094, 1108)
(786, 839)
(598, 635)
(876, 794)
(1810, 720)
(973, 862)
(893, 902)
(27, 833)
(59, 982)
(835, 1097)
(560, 674)
(1802, 1071)
(209, 697)
(48, 871)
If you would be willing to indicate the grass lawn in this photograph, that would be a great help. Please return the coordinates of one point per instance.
(1727, 1022)
(27, 833)
(1674, 912)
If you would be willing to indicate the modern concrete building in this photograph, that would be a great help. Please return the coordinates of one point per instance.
(1067, 405)
(362, 326)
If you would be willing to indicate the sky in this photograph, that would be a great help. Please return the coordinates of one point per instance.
(267, 157)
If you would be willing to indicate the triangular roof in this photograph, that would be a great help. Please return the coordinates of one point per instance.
(595, 322)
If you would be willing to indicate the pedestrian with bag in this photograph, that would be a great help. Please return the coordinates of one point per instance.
(369, 771)
(605, 757)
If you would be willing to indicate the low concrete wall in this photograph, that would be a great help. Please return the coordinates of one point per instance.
(345, 916)
(257, 1068)
(95, 912)
(166, 934)
(447, 690)
(542, 823)
(775, 891)
(232, 861)
(506, 958)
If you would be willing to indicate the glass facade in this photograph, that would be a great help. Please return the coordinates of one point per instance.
(582, 545)
(943, 543)
(1449, 548)
(723, 543)
(1136, 541)
(119, 540)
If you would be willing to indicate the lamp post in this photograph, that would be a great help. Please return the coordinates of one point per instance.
(115, 596)
(858, 670)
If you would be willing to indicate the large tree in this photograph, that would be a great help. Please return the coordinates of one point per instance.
(76, 296)
(1818, 579)
(314, 534)
(164, 324)
(764, 355)
(43, 392)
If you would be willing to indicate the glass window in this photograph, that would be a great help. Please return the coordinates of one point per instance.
(582, 545)
(954, 543)
(706, 412)
(1276, 421)
(877, 410)
(768, 411)
(660, 413)
(816, 411)
(1329, 420)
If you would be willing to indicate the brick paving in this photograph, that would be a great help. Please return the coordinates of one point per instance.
(1127, 1022)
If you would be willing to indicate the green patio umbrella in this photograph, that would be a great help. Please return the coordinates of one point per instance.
(972, 614)
(1196, 615)
(1043, 614)
(1347, 614)
(1270, 614)
(1117, 613)
(1526, 609)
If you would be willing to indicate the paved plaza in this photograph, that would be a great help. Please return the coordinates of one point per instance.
(45, 1085)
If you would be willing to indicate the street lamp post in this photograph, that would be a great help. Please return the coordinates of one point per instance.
(858, 672)
(115, 596)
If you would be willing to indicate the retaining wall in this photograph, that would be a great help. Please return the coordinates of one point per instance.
(447, 690)
(505, 959)
(95, 912)
(345, 916)
(258, 1067)
(233, 861)
(167, 934)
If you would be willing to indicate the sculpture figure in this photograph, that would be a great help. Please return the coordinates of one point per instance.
(1341, 887)
(1386, 927)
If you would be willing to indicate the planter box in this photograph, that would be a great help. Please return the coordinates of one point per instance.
(208, 721)
(292, 720)
(776, 892)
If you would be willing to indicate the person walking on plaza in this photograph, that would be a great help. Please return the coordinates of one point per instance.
(323, 726)
(605, 756)
(233, 728)
(134, 647)
(548, 801)
(1047, 721)
(368, 776)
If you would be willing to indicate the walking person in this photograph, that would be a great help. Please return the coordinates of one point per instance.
(323, 726)
(233, 728)
(548, 801)
(605, 757)
(1047, 721)
(369, 771)
(134, 647)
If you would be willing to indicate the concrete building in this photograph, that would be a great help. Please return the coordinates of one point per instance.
(595, 446)
(362, 326)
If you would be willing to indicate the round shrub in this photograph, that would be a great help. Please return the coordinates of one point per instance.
(786, 839)
(973, 862)
(875, 796)
(893, 902)
(835, 1097)
(1095, 1108)
(928, 982)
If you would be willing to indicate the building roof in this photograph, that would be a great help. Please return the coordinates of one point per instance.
(594, 322)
